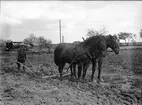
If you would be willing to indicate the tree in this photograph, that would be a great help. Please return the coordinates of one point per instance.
(93, 32)
(49, 44)
(31, 40)
(133, 41)
(141, 33)
(44, 43)
(3, 41)
(41, 41)
(127, 37)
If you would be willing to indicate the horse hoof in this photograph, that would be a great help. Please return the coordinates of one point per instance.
(71, 76)
(84, 80)
(78, 80)
(81, 80)
(98, 81)
(61, 79)
(91, 80)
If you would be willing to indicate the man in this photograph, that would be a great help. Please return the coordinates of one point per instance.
(21, 56)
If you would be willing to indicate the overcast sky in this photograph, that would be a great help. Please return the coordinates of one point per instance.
(18, 19)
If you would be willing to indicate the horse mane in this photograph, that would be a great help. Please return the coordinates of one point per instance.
(99, 42)
(98, 37)
(93, 38)
(96, 43)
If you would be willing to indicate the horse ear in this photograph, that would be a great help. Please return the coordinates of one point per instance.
(83, 38)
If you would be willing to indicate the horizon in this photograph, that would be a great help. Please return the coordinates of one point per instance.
(18, 19)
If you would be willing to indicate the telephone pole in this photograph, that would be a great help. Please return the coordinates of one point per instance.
(62, 38)
(0, 6)
(60, 29)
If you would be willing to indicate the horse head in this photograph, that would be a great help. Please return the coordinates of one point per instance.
(113, 43)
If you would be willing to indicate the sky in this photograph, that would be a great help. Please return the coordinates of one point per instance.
(19, 19)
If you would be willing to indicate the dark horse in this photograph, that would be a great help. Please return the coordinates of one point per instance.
(93, 49)
(97, 46)
(64, 53)
(82, 58)
(72, 54)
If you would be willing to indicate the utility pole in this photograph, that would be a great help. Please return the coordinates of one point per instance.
(62, 38)
(60, 29)
(0, 6)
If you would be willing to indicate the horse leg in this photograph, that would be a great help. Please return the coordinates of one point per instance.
(18, 64)
(74, 71)
(61, 66)
(99, 67)
(85, 66)
(71, 72)
(79, 70)
(93, 67)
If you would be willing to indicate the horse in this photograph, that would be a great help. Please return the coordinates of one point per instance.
(82, 58)
(97, 46)
(64, 53)
(72, 54)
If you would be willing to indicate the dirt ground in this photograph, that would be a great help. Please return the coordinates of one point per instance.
(121, 85)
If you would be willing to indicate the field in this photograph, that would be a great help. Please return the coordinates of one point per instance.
(121, 85)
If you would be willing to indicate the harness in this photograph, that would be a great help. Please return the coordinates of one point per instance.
(76, 56)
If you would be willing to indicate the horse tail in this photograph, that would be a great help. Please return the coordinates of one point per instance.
(56, 58)
(57, 54)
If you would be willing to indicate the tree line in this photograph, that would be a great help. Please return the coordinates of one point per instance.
(31, 41)
(42, 42)
(126, 36)
(38, 41)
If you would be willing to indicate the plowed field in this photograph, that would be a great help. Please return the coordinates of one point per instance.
(121, 85)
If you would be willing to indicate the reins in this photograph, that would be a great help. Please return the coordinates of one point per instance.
(87, 53)
(75, 58)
